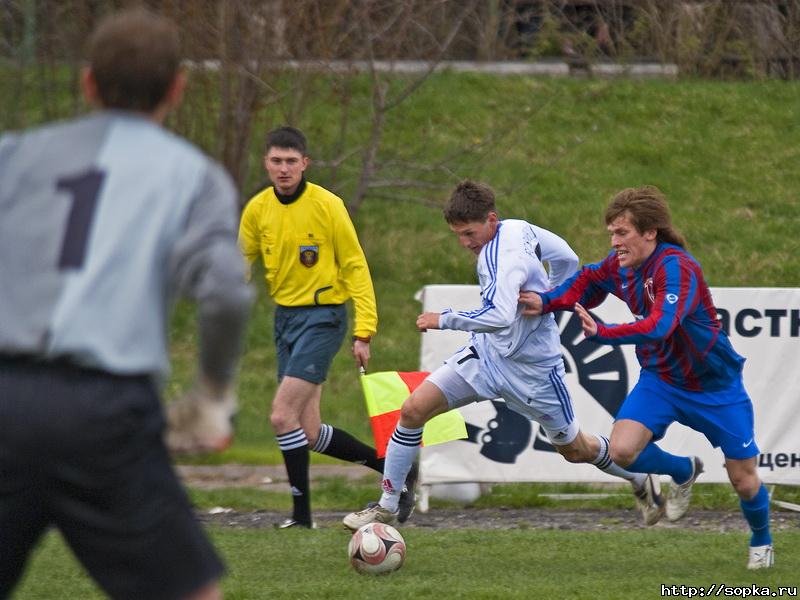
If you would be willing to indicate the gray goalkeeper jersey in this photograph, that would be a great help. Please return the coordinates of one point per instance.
(103, 220)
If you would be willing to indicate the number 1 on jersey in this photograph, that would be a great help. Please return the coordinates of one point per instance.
(84, 189)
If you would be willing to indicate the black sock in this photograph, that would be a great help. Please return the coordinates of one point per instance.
(340, 444)
(294, 447)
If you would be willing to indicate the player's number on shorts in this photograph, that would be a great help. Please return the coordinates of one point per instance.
(472, 354)
(84, 189)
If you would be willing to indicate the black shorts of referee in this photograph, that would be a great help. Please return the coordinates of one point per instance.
(82, 451)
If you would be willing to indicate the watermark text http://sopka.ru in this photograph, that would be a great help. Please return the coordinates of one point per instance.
(721, 590)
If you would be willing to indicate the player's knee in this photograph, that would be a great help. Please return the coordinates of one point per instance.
(622, 455)
(412, 414)
(746, 484)
(280, 422)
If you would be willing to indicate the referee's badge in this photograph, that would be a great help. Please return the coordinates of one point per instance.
(309, 255)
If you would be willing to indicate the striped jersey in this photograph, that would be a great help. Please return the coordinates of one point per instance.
(510, 262)
(103, 220)
(676, 331)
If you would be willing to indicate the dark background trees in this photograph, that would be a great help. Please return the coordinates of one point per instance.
(257, 63)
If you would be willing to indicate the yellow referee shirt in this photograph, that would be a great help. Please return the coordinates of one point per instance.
(310, 252)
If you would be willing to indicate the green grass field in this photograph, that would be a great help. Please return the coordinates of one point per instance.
(467, 563)
(518, 562)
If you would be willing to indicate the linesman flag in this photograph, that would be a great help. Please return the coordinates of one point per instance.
(385, 392)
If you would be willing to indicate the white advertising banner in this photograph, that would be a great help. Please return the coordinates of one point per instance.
(764, 326)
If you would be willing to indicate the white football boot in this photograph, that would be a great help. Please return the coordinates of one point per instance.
(761, 557)
(680, 494)
(374, 513)
(650, 501)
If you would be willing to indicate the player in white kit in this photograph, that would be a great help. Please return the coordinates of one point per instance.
(509, 356)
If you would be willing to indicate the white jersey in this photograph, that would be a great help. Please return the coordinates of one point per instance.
(511, 262)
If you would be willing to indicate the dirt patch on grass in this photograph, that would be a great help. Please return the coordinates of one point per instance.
(274, 477)
(516, 518)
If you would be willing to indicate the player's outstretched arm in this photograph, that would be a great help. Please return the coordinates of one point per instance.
(428, 320)
(207, 267)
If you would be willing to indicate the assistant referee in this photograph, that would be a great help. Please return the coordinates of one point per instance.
(313, 264)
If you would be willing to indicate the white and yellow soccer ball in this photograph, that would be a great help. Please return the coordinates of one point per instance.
(376, 548)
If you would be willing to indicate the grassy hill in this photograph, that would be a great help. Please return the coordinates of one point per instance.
(725, 153)
(555, 150)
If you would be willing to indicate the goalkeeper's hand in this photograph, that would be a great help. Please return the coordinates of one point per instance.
(201, 421)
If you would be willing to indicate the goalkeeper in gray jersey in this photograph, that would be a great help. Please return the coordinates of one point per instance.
(105, 220)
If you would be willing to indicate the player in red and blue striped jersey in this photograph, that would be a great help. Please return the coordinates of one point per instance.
(690, 372)
(509, 356)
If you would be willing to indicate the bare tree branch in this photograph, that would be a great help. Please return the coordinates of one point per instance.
(415, 85)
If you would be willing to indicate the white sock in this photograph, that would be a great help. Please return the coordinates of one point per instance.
(604, 463)
(400, 454)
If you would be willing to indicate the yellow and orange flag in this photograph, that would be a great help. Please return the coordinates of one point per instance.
(384, 393)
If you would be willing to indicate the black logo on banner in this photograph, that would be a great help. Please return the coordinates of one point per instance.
(505, 437)
(604, 376)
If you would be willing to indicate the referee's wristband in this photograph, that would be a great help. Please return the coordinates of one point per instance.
(358, 338)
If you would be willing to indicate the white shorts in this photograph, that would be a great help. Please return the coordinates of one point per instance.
(537, 392)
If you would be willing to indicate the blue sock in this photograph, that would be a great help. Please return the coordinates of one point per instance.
(756, 511)
(654, 460)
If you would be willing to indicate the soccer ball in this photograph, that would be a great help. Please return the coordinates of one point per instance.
(376, 548)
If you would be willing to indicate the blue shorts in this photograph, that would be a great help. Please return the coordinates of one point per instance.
(725, 416)
(307, 338)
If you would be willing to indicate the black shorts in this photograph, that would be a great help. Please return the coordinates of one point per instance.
(82, 450)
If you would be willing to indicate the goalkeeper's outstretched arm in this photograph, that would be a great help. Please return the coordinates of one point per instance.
(209, 269)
